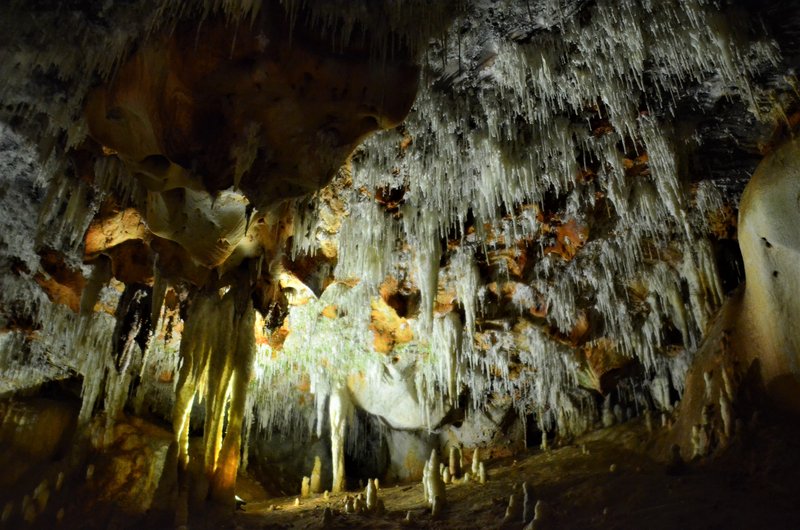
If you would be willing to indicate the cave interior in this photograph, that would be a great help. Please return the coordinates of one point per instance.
(399, 263)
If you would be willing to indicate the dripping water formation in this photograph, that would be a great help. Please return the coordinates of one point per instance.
(399, 263)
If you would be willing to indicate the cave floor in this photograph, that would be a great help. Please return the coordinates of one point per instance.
(753, 485)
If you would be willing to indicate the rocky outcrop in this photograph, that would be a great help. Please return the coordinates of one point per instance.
(57, 473)
(770, 245)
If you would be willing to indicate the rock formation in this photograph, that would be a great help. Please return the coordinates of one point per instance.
(283, 238)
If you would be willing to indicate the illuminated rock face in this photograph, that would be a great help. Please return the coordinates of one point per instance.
(768, 218)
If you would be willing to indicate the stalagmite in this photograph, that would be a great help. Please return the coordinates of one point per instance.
(539, 518)
(371, 495)
(305, 487)
(699, 441)
(446, 475)
(726, 412)
(435, 485)
(476, 460)
(426, 483)
(41, 494)
(315, 485)
(482, 473)
(513, 510)
(528, 502)
(8, 510)
(29, 512)
(339, 409)
(455, 461)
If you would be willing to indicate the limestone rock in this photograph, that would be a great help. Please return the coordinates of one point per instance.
(770, 247)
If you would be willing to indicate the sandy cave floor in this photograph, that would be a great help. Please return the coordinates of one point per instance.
(754, 485)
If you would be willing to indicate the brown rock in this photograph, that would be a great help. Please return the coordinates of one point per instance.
(199, 109)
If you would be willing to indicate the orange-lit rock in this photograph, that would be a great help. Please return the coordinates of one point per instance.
(135, 467)
(388, 328)
(602, 362)
(581, 329)
(510, 259)
(62, 284)
(397, 295)
(132, 262)
(445, 299)
(570, 238)
(638, 166)
(174, 263)
(723, 223)
(278, 337)
(59, 293)
(113, 229)
(506, 292)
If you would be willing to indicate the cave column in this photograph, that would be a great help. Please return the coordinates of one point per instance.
(227, 462)
(339, 407)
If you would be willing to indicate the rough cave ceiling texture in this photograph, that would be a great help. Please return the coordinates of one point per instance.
(195, 208)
